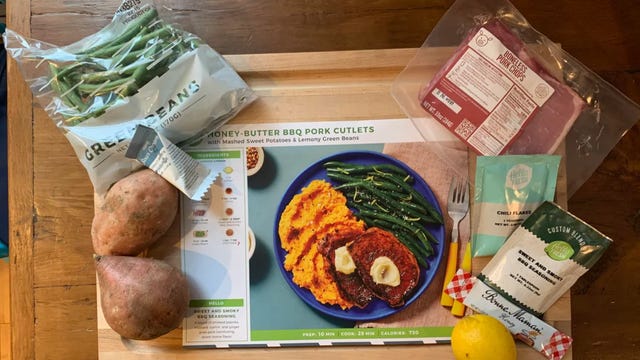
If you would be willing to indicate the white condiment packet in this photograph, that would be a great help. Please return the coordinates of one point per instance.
(160, 155)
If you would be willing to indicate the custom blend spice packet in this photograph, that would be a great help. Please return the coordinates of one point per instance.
(538, 263)
(508, 189)
(543, 258)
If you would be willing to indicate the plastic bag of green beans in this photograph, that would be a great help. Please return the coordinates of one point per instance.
(138, 70)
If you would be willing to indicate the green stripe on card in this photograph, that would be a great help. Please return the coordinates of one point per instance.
(350, 334)
(214, 155)
(198, 303)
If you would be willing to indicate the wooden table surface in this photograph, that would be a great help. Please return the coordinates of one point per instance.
(53, 291)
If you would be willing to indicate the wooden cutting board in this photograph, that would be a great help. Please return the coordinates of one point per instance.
(323, 86)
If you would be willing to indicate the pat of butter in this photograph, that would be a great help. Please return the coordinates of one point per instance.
(385, 272)
(343, 261)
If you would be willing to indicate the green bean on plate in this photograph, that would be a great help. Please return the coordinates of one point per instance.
(383, 195)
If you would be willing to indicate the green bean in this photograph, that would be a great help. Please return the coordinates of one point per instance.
(407, 209)
(137, 80)
(383, 196)
(419, 252)
(105, 51)
(413, 208)
(100, 77)
(130, 31)
(140, 52)
(372, 217)
(385, 180)
(425, 247)
(380, 183)
(424, 235)
(122, 54)
(353, 169)
(419, 198)
(131, 56)
(367, 186)
(420, 239)
(397, 208)
(69, 96)
(95, 89)
(370, 206)
(75, 67)
(393, 220)
(406, 238)
(159, 34)
(343, 178)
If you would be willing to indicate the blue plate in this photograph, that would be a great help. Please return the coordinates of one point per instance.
(377, 308)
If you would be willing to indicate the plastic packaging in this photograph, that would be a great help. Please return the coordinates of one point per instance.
(508, 189)
(138, 70)
(544, 257)
(176, 166)
(539, 262)
(561, 99)
(525, 326)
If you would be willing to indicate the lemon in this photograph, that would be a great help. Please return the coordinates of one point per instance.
(480, 337)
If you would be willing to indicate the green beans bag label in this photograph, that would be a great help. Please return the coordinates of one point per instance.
(543, 258)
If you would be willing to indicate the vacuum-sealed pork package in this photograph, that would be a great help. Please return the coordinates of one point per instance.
(486, 77)
(498, 99)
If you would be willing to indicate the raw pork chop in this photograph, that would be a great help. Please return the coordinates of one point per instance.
(494, 103)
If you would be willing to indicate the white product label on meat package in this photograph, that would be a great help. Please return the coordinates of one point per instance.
(446, 100)
(510, 65)
(500, 83)
(484, 83)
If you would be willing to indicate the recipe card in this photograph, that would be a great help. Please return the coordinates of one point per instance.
(256, 250)
(215, 253)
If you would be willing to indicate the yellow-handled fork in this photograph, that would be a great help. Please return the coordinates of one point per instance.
(457, 207)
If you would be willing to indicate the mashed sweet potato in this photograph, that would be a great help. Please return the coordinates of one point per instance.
(312, 214)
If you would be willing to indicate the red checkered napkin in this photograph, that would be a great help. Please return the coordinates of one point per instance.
(557, 346)
(460, 285)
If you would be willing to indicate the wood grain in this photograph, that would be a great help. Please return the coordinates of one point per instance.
(5, 309)
(50, 206)
(5, 315)
(598, 32)
(66, 317)
(5, 341)
(63, 210)
(20, 190)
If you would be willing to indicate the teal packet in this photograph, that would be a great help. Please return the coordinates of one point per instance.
(508, 188)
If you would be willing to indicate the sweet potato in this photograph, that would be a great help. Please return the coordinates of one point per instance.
(134, 213)
(141, 298)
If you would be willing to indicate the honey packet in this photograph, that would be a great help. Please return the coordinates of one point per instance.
(508, 189)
